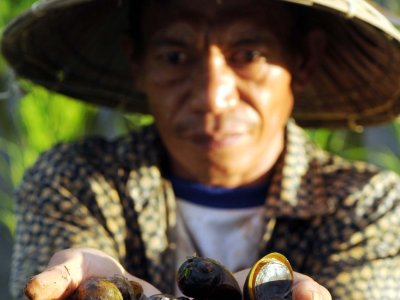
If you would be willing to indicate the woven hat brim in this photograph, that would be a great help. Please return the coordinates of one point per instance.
(358, 82)
(72, 46)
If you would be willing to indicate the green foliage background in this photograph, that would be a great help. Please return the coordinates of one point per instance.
(32, 120)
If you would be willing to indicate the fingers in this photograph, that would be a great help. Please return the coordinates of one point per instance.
(53, 283)
(65, 272)
(148, 289)
(60, 279)
(68, 268)
(305, 288)
(241, 276)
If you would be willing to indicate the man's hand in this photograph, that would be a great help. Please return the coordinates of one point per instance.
(68, 268)
(304, 287)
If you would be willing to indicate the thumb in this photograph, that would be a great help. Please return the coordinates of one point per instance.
(53, 283)
(305, 288)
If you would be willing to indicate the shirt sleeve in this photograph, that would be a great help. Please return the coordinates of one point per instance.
(363, 248)
(61, 203)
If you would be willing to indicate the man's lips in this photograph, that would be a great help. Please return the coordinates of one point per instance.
(216, 141)
(217, 132)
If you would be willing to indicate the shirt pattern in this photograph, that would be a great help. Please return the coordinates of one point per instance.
(335, 220)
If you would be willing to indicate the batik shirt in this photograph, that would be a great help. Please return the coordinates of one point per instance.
(335, 220)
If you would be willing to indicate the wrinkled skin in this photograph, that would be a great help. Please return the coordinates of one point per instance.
(220, 86)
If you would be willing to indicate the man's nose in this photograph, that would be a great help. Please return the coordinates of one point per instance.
(215, 85)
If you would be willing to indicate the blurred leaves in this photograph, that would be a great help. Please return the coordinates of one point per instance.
(392, 5)
(43, 122)
(380, 146)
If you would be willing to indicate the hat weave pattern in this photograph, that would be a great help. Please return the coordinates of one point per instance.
(72, 47)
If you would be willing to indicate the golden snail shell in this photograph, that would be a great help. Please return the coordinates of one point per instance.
(270, 278)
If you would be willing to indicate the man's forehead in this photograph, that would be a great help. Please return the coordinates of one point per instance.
(188, 32)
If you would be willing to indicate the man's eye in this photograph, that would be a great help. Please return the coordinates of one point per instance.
(173, 58)
(244, 57)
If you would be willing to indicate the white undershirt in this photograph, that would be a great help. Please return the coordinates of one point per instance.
(228, 235)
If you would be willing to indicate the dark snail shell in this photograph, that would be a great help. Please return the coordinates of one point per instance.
(206, 279)
(271, 278)
(108, 288)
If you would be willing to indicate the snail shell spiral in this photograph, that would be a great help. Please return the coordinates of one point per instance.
(271, 278)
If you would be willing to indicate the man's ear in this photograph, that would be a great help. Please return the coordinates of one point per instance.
(130, 52)
(308, 62)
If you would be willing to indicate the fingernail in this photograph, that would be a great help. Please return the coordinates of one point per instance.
(316, 296)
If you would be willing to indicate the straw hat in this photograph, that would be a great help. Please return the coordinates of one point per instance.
(71, 46)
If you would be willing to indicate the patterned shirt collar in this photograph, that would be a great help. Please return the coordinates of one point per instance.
(297, 187)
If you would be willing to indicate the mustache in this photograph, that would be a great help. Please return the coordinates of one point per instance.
(209, 125)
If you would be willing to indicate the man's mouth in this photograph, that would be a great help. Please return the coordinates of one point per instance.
(216, 132)
(216, 141)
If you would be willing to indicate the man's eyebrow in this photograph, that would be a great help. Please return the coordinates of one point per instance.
(245, 38)
(245, 31)
(168, 41)
(177, 34)
(252, 40)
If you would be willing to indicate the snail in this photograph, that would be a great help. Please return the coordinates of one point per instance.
(206, 279)
(202, 278)
(270, 278)
(108, 288)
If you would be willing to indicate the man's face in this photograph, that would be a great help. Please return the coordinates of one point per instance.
(216, 74)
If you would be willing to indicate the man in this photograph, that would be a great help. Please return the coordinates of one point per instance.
(224, 172)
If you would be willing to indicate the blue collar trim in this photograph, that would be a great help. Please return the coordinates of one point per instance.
(219, 197)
